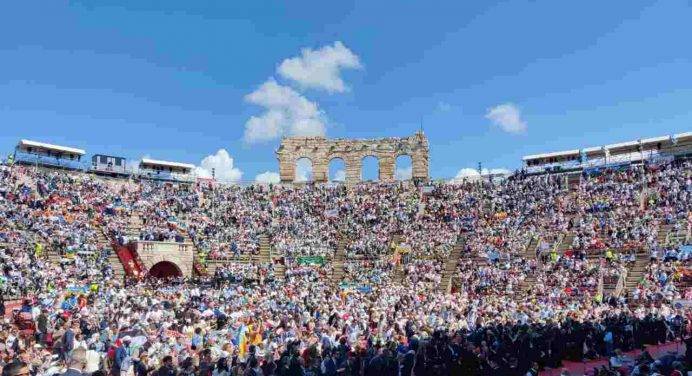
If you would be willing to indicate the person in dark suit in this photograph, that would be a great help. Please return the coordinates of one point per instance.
(167, 368)
(76, 362)
(68, 340)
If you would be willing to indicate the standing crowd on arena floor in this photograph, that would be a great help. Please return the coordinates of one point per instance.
(511, 310)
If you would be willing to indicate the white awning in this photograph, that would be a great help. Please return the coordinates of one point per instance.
(622, 145)
(43, 145)
(592, 149)
(154, 162)
(553, 154)
(654, 140)
(683, 135)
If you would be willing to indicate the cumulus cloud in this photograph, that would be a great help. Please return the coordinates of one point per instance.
(470, 174)
(443, 106)
(268, 177)
(507, 116)
(303, 170)
(496, 171)
(219, 165)
(132, 165)
(340, 175)
(286, 113)
(403, 173)
(467, 172)
(321, 68)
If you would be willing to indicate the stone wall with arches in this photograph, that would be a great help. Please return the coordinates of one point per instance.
(179, 254)
(320, 151)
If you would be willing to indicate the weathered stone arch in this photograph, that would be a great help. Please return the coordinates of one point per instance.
(370, 154)
(334, 157)
(180, 254)
(321, 151)
(400, 156)
(165, 269)
(312, 166)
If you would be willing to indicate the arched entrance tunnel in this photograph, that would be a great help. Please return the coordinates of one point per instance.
(165, 269)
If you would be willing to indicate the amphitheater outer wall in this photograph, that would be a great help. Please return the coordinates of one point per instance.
(320, 151)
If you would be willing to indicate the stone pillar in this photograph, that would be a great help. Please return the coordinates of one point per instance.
(353, 168)
(287, 168)
(320, 167)
(387, 165)
(419, 166)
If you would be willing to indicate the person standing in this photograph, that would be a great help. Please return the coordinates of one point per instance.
(67, 341)
(167, 368)
(76, 363)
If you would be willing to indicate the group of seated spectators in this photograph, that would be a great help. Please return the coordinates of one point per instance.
(244, 272)
(527, 290)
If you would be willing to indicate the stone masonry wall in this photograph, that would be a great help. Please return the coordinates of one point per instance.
(321, 151)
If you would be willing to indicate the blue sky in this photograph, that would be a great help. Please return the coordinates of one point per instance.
(490, 82)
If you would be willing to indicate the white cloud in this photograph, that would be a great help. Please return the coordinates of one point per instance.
(443, 106)
(303, 170)
(268, 177)
(508, 117)
(321, 68)
(286, 113)
(132, 165)
(466, 173)
(219, 165)
(339, 176)
(471, 174)
(496, 171)
(404, 173)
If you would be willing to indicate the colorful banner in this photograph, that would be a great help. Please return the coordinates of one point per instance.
(352, 286)
(311, 260)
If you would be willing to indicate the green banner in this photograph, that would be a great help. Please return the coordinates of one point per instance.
(311, 260)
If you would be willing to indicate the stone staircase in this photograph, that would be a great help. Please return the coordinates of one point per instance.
(52, 255)
(636, 271)
(105, 242)
(265, 249)
(134, 226)
(399, 274)
(113, 260)
(531, 248)
(32, 238)
(279, 271)
(663, 231)
(565, 243)
(679, 236)
(450, 265)
(573, 180)
(609, 285)
(528, 255)
(266, 256)
(198, 267)
(338, 262)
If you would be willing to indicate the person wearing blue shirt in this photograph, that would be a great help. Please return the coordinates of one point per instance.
(121, 352)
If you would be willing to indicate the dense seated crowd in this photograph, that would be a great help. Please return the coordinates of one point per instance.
(246, 273)
(512, 307)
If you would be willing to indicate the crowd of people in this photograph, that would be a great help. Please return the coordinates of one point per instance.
(522, 296)
(244, 272)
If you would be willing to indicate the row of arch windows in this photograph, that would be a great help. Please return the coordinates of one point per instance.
(370, 169)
